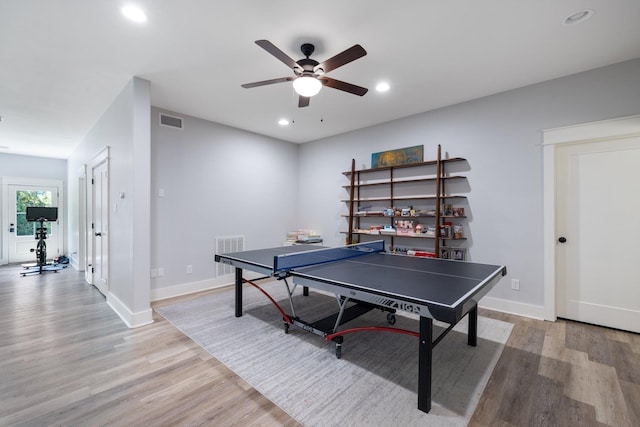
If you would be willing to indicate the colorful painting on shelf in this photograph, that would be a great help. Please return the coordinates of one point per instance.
(401, 156)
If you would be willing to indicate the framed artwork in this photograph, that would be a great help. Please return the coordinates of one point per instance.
(458, 254)
(401, 156)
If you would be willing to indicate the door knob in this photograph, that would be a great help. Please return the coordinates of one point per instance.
(562, 239)
(98, 234)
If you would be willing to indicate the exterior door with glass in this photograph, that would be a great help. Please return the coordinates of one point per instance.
(22, 233)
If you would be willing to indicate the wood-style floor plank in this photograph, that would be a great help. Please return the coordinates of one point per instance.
(67, 359)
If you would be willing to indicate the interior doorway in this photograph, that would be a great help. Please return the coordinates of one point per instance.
(98, 226)
(594, 229)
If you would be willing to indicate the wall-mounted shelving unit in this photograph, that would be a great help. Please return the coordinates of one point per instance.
(404, 202)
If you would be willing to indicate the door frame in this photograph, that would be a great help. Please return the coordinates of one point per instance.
(97, 160)
(81, 259)
(4, 212)
(552, 138)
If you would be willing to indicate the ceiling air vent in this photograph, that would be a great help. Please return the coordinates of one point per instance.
(171, 121)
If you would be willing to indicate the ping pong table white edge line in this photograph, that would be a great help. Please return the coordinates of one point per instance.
(497, 273)
(459, 301)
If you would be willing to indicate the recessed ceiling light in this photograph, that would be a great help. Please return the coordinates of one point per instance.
(134, 13)
(283, 122)
(578, 17)
(382, 87)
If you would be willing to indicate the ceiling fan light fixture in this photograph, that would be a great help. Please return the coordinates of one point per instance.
(307, 86)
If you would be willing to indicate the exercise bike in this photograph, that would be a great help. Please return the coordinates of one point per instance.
(41, 215)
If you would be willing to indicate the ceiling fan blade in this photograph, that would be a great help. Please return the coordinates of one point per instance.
(303, 101)
(267, 82)
(344, 57)
(340, 85)
(273, 50)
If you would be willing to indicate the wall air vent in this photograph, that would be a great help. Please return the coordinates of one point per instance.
(225, 245)
(171, 121)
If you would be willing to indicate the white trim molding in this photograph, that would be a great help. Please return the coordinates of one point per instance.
(158, 294)
(513, 307)
(131, 319)
(619, 128)
(551, 138)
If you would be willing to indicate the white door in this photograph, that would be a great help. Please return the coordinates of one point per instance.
(88, 228)
(598, 203)
(22, 241)
(100, 211)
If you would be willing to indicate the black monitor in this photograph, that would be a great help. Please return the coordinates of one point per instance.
(38, 213)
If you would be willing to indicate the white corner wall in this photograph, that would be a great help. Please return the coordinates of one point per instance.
(501, 137)
(125, 128)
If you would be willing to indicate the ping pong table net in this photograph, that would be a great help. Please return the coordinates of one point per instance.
(292, 261)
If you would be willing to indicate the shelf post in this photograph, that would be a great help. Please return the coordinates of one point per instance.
(438, 196)
(351, 202)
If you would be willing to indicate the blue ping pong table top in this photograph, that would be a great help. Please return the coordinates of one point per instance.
(442, 282)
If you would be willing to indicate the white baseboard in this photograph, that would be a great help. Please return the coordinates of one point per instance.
(184, 289)
(193, 287)
(131, 319)
(513, 307)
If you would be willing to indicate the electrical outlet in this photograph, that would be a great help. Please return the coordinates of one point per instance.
(160, 272)
(154, 273)
(189, 269)
(515, 284)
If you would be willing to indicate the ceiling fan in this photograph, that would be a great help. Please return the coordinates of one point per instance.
(309, 73)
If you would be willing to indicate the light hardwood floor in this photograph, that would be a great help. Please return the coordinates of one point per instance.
(67, 359)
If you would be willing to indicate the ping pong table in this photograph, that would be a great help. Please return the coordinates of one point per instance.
(364, 277)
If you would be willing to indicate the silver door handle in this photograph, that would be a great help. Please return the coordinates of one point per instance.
(98, 234)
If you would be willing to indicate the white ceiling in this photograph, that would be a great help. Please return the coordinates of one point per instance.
(63, 62)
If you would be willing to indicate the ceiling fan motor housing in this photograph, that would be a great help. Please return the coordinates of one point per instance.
(307, 49)
(308, 66)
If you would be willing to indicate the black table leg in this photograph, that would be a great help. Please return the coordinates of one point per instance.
(472, 337)
(424, 364)
(238, 292)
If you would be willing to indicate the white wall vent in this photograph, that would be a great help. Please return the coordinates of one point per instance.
(224, 245)
(171, 121)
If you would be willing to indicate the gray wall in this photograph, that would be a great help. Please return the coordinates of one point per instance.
(217, 181)
(500, 136)
(220, 181)
(18, 166)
